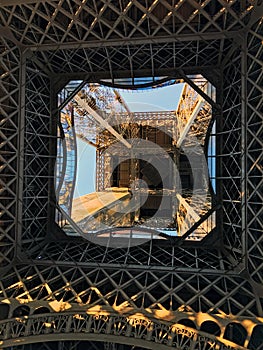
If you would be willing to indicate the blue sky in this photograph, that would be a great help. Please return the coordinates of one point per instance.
(86, 169)
(159, 99)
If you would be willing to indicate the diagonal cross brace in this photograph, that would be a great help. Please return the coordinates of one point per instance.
(83, 104)
(190, 121)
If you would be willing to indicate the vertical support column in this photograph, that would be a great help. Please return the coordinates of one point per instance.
(175, 171)
(9, 100)
(37, 157)
(54, 116)
(100, 158)
(20, 150)
(254, 152)
(230, 152)
(136, 192)
(219, 160)
(244, 147)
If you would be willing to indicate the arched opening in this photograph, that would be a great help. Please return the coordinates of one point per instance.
(210, 327)
(4, 311)
(236, 333)
(256, 342)
(188, 323)
(22, 310)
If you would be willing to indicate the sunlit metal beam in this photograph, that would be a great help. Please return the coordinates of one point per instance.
(198, 90)
(190, 121)
(256, 14)
(121, 100)
(83, 104)
(20, 2)
(189, 209)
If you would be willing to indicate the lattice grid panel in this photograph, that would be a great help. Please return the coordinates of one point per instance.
(254, 151)
(36, 157)
(126, 39)
(10, 110)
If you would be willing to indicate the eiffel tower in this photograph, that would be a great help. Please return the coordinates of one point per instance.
(60, 291)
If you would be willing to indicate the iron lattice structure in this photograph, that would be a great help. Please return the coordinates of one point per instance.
(48, 280)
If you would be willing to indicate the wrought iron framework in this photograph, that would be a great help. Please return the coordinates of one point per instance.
(44, 45)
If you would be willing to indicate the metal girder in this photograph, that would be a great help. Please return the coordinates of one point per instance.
(199, 91)
(244, 149)
(84, 105)
(253, 151)
(122, 101)
(256, 14)
(10, 108)
(190, 121)
(21, 2)
(136, 41)
(97, 76)
(21, 149)
(188, 207)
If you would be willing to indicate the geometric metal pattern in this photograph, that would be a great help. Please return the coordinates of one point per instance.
(44, 44)
(134, 330)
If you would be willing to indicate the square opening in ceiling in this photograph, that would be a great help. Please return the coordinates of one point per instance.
(137, 163)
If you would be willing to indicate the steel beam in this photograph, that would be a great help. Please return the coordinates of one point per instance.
(199, 91)
(135, 41)
(172, 73)
(189, 209)
(122, 101)
(190, 121)
(20, 2)
(256, 14)
(244, 153)
(83, 104)
(20, 150)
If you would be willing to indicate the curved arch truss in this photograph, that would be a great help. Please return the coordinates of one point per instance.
(133, 330)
